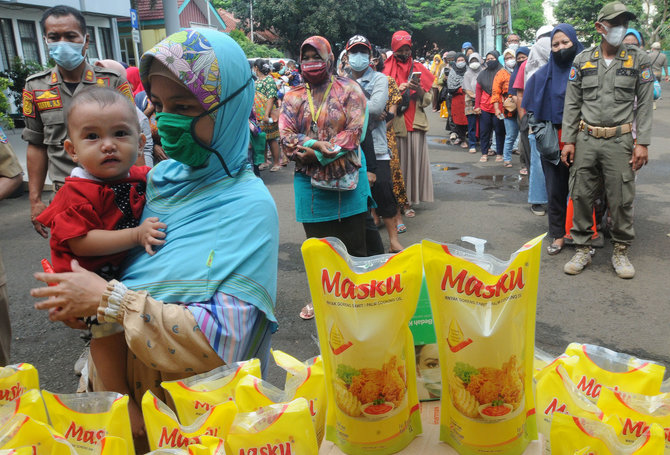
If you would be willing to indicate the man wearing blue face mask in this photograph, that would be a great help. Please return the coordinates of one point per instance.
(46, 98)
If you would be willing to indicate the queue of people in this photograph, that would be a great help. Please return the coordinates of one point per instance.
(356, 130)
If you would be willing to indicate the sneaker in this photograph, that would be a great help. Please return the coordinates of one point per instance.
(622, 266)
(538, 209)
(581, 259)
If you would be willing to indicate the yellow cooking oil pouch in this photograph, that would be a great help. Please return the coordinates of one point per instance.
(555, 392)
(164, 429)
(194, 396)
(85, 418)
(112, 445)
(16, 379)
(25, 450)
(594, 367)
(208, 445)
(30, 404)
(21, 431)
(363, 307)
(277, 429)
(637, 413)
(484, 311)
(581, 435)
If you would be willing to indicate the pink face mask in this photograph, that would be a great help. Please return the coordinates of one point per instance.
(315, 71)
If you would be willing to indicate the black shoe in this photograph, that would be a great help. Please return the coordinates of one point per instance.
(538, 209)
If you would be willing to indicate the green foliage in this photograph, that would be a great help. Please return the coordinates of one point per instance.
(253, 49)
(527, 17)
(446, 22)
(336, 20)
(582, 15)
(17, 75)
(225, 4)
(5, 119)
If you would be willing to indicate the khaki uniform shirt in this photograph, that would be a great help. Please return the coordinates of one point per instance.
(9, 164)
(603, 95)
(659, 62)
(46, 99)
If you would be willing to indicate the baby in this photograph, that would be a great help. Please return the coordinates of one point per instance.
(94, 217)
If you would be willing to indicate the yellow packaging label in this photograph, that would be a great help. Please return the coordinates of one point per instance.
(111, 445)
(367, 347)
(165, 431)
(584, 436)
(16, 379)
(622, 372)
(21, 431)
(637, 413)
(30, 404)
(85, 418)
(484, 311)
(277, 429)
(195, 396)
(25, 450)
(555, 392)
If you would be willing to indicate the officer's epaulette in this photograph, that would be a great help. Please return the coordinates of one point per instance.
(106, 71)
(40, 74)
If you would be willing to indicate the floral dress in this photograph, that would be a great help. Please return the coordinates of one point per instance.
(266, 89)
(396, 173)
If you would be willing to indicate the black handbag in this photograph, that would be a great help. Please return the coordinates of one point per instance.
(546, 139)
(404, 102)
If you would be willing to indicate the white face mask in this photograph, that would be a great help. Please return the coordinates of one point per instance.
(510, 63)
(432, 380)
(514, 46)
(615, 35)
(474, 66)
(460, 64)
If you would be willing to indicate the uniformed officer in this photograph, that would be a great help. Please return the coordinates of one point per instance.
(46, 98)
(597, 130)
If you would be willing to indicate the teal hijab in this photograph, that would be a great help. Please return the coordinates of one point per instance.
(222, 231)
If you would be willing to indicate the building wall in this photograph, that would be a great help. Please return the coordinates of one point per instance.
(191, 14)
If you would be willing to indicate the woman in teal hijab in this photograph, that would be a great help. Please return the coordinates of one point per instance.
(207, 296)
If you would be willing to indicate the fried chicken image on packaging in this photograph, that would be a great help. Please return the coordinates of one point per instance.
(498, 384)
(387, 384)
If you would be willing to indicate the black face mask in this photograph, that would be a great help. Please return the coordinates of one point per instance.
(564, 57)
(401, 57)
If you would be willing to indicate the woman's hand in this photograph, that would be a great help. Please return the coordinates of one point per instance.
(478, 111)
(159, 153)
(75, 294)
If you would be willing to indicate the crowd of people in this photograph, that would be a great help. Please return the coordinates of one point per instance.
(208, 122)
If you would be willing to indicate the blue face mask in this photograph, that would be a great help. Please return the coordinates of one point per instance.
(359, 61)
(67, 55)
(282, 70)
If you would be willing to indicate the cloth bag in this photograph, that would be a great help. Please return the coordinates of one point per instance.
(351, 162)
(546, 138)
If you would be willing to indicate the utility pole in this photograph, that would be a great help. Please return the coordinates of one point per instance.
(251, 18)
(171, 16)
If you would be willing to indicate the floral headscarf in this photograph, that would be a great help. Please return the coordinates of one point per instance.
(322, 47)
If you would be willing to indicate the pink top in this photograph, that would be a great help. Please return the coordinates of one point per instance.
(519, 81)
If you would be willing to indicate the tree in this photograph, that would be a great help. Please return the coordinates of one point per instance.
(336, 20)
(582, 14)
(654, 19)
(253, 49)
(527, 17)
(17, 74)
(446, 22)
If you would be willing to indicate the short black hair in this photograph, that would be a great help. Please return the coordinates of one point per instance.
(64, 10)
(103, 96)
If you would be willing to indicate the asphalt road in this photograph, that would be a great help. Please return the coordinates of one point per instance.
(471, 198)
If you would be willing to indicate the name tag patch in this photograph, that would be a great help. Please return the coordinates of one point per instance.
(48, 99)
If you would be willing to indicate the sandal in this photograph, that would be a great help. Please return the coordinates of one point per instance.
(483, 159)
(263, 166)
(307, 312)
(554, 249)
(499, 158)
(275, 168)
(523, 171)
(507, 164)
(464, 145)
(401, 228)
(410, 213)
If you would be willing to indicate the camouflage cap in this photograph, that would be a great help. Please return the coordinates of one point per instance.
(612, 10)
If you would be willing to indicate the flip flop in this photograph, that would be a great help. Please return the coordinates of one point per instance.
(410, 213)
(483, 159)
(401, 228)
(307, 312)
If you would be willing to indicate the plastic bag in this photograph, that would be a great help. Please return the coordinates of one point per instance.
(636, 413)
(362, 308)
(85, 418)
(555, 392)
(25, 450)
(484, 311)
(580, 435)
(16, 379)
(304, 380)
(196, 395)
(30, 404)
(21, 431)
(281, 429)
(593, 367)
(165, 431)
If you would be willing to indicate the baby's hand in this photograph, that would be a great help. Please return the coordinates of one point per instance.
(148, 234)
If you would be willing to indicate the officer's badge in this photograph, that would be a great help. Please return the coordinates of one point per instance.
(103, 81)
(28, 105)
(596, 54)
(88, 77)
(646, 76)
(46, 100)
(54, 78)
(573, 74)
(629, 62)
(622, 54)
(588, 65)
(3, 137)
(125, 89)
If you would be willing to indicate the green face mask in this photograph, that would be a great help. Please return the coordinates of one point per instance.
(177, 140)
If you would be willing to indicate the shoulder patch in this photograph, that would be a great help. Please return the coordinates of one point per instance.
(629, 62)
(646, 76)
(125, 89)
(54, 78)
(88, 77)
(596, 54)
(102, 81)
(28, 104)
(588, 65)
(622, 54)
(573, 74)
(45, 100)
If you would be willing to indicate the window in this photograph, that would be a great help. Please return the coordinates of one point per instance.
(92, 48)
(7, 44)
(28, 35)
(106, 43)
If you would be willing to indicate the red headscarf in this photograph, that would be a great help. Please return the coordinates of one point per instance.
(401, 72)
(322, 47)
(133, 76)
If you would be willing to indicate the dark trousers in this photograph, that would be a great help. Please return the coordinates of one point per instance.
(472, 130)
(350, 230)
(487, 124)
(373, 240)
(524, 145)
(557, 178)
